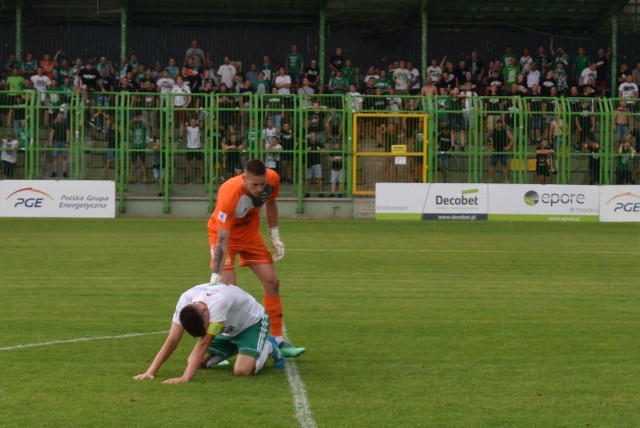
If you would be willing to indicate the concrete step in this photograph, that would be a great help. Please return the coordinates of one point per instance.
(364, 208)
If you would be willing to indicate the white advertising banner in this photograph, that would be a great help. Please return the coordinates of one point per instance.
(439, 201)
(456, 201)
(620, 203)
(64, 198)
(524, 202)
(400, 201)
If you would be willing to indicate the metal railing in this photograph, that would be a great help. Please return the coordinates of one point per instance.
(145, 142)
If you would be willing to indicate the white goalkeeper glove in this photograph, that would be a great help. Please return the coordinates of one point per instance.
(215, 278)
(277, 244)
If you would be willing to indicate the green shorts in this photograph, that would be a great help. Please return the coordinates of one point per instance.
(250, 342)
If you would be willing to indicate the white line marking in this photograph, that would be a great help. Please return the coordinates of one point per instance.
(300, 402)
(434, 250)
(82, 339)
(303, 410)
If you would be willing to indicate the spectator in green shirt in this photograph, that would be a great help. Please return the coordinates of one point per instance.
(349, 73)
(295, 67)
(11, 63)
(15, 82)
(580, 62)
(510, 73)
(383, 82)
(338, 84)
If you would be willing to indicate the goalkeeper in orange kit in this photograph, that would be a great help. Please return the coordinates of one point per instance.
(234, 229)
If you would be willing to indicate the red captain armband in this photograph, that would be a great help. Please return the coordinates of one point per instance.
(214, 328)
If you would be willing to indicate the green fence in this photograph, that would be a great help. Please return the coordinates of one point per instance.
(175, 145)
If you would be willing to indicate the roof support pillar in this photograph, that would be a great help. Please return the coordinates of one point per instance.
(19, 30)
(323, 41)
(424, 41)
(123, 29)
(614, 56)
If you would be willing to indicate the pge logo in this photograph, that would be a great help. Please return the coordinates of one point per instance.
(28, 197)
(625, 202)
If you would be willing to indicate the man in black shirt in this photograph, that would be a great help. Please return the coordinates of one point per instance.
(59, 143)
(312, 73)
(89, 77)
(445, 146)
(543, 160)
(501, 143)
(104, 85)
(602, 68)
(494, 79)
(336, 62)
(314, 164)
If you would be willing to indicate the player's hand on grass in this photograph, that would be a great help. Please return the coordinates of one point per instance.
(143, 376)
(276, 242)
(176, 380)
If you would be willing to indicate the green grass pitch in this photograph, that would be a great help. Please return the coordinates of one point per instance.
(406, 325)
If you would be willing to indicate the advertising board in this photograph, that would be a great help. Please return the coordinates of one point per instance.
(49, 198)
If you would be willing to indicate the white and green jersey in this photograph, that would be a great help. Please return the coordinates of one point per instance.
(24, 137)
(100, 66)
(251, 138)
(61, 73)
(268, 134)
(510, 73)
(384, 84)
(54, 98)
(262, 87)
(563, 59)
(193, 137)
(228, 305)
(40, 83)
(356, 101)
(434, 72)
(402, 78)
(269, 71)
(165, 84)
(9, 151)
(139, 137)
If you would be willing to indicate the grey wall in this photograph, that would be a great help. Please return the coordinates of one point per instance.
(249, 43)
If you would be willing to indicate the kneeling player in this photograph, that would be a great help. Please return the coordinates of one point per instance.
(228, 321)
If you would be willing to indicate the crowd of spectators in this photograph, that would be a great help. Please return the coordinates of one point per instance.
(552, 72)
(549, 72)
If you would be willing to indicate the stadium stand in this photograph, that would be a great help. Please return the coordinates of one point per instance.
(179, 92)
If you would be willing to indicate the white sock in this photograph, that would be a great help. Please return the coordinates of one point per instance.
(279, 339)
(215, 359)
(262, 358)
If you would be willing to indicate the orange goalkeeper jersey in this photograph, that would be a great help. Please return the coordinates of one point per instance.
(238, 212)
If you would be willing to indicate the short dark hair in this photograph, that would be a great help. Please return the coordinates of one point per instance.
(192, 321)
(256, 167)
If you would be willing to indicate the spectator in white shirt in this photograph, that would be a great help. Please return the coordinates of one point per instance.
(435, 70)
(589, 74)
(40, 82)
(227, 72)
(283, 82)
(401, 77)
(533, 76)
(525, 60)
(165, 83)
(414, 84)
(181, 100)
